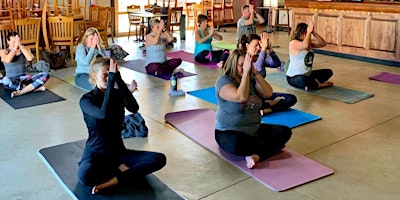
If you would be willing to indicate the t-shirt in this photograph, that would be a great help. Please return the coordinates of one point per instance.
(244, 117)
(300, 64)
(243, 29)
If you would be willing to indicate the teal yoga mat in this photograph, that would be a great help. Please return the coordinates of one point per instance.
(63, 159)
(291, 118)
(335, 92)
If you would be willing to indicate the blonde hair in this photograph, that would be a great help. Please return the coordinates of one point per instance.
(153, 22)
(230, 65)
(91, 31)
(96, 65)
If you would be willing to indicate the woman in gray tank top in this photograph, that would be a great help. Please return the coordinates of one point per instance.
(156, 60)
(14, 58)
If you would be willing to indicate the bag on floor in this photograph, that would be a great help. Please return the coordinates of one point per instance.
(56, 60)
(134, 126)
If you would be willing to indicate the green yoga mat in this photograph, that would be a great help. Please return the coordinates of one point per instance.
(223, 45)
(335, 92)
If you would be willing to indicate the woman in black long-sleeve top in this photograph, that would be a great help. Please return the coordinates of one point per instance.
(105, 161)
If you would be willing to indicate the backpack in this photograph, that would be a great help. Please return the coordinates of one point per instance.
(134, 126)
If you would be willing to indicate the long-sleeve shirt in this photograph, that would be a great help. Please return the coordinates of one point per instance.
(264, 60)
(104, 114)
(85, 55)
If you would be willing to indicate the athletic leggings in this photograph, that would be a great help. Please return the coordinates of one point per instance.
(301, 81)
(18, 82)
(167, 67)
(216, 56)
(101, 170)
(268, 141)
(284, 104)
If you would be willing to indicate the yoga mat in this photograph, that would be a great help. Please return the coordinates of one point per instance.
(335, 92)
(138, 65)
(387, 77)
(281, 172)
(224, 45)
(63, 159)
(291, 117)
(30, 99)
(189, 57)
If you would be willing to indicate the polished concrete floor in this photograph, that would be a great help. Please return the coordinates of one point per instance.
(360, 141)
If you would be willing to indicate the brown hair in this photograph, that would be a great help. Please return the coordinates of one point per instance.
(246, 39)
(298, 33)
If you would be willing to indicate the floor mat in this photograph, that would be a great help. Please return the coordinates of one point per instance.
(387, 77)
(291, 118)
(189, 57)
(224, 45)
(139, 66)
(335, 92)
(63, 159)
(281, 172)
(30, 99)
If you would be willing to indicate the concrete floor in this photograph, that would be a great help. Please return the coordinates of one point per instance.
(359, 141)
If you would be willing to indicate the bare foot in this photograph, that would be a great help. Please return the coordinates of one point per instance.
(40, 89)
(220, 64)
(16, 93)
(326, 84)
(112, 182)
(178, 70)
(252, 160)
(266, 111)
(275, 101)
(123, 167)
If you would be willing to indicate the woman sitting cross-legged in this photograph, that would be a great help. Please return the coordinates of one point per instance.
(14, 58)
(300, 73)
(238, 128)
(203, 52)
(106, 161)
(258, 46)
(156, 60)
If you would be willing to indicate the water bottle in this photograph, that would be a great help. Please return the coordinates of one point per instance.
(173, 82)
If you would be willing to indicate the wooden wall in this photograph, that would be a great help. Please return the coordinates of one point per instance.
(361, 33)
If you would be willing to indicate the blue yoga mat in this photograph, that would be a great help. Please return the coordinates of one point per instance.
(291, 118)
(335, 93)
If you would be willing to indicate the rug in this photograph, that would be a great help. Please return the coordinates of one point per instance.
(291, 118)
(281, 172)
(63, 159)
(30, 99)
(189, 57)
(335, 92)
(224, 45)
(387, 77)
(139, 66)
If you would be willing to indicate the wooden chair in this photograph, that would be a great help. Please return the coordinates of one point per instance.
(61, 31)
(190, 18)
(29, 30)
(135, 22)
(6, 15)
(174, 18)
(228, 11)
(110, 24)
(217, 13)
(102, 22)
(4, 29)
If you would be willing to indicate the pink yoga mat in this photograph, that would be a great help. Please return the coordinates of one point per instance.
(280, 172)
(387, 77)
(189, 57)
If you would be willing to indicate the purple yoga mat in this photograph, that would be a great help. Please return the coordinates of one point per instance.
(138, 65)
(281, 172)
(189, 57)
(387, 77)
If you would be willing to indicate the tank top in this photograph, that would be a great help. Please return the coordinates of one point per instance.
(16, 67)
(300, 64)
(206, 45)
(156, 53)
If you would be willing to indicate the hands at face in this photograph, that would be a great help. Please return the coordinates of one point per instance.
(251, 9)
(113, 66)
(93, 41)
(248, 64)
(310, 27)
(264, 43)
